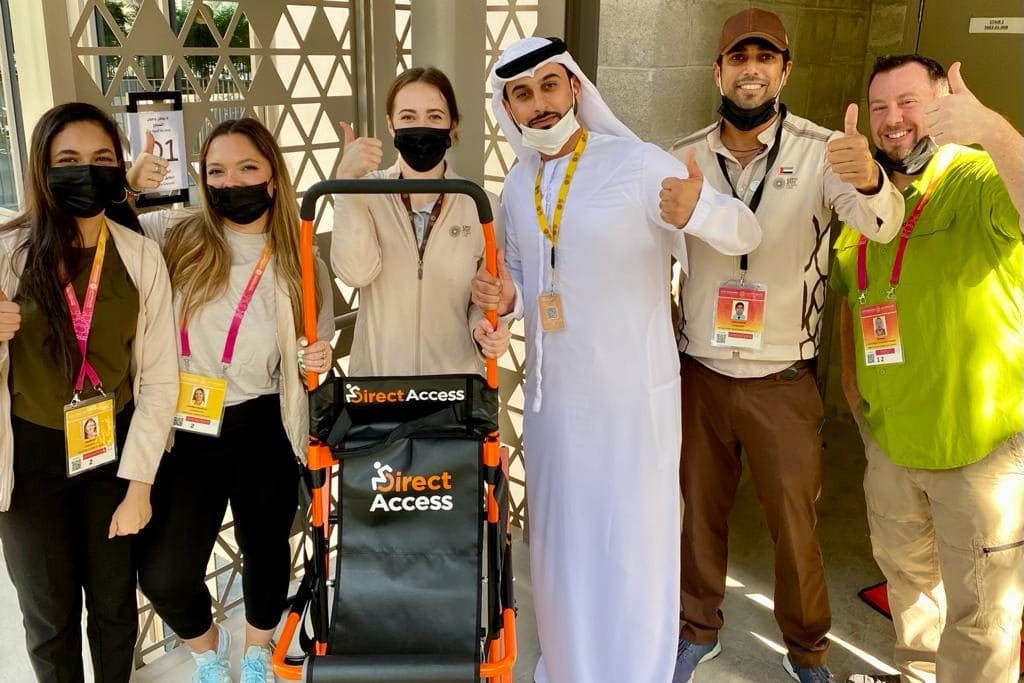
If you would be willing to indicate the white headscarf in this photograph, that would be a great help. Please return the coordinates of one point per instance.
(593, 113)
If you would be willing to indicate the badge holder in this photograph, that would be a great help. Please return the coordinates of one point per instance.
(880, 323)
(201, 399)
(89, 433)
(739, 314)
(880, 330)
(549, 304)
(89, 428)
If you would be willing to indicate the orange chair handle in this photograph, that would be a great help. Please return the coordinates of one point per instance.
(307, 213)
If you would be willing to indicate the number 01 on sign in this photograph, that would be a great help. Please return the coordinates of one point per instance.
(155, 125)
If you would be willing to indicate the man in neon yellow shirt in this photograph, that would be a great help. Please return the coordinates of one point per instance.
(939, 395)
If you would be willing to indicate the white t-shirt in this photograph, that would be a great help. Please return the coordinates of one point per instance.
(255, 366)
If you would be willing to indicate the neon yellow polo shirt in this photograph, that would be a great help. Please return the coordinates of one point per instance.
(960, 391)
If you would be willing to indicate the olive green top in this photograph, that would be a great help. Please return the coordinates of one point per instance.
(39, 388)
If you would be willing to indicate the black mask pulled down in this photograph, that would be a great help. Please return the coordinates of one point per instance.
(914, 163)
(241, 205)
(422, 147)
(746, 119)
(84, 190)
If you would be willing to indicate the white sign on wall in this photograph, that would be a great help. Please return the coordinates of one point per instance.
(997, 25)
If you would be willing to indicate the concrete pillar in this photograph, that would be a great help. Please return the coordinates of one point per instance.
(450, 35)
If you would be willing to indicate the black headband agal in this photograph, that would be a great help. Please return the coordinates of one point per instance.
(531, 59)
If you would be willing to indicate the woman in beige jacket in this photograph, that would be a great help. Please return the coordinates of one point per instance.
(241, 422)
(83, 475)
(413, 258)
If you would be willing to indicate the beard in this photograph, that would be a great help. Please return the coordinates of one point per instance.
(907, 160)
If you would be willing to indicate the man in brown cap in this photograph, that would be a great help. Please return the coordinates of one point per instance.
(748, 386)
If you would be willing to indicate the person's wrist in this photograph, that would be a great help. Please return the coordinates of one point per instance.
(139, 489)
(993, 127)
(875, 186)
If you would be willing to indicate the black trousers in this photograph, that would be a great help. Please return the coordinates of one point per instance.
(56, 548)
(251, 466)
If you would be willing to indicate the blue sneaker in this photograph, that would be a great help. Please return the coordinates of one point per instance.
(213, 666)
(689, 655)
(256, 666)
(807, 674)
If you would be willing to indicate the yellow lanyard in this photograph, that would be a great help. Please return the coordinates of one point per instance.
(551, 231)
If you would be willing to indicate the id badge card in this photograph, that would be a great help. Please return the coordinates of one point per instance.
(89, 434)
(552, 318)
(200, 404)
(880, 326)
(739, 315)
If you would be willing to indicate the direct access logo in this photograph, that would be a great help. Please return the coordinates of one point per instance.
(355, 394)
(410, 493)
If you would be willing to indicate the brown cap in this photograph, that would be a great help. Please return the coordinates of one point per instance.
(753, 23)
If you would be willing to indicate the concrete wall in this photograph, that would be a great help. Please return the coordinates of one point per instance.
(655, 56)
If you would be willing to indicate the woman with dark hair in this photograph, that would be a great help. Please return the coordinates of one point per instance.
(413, 257)
(86, 335)
(234, 266)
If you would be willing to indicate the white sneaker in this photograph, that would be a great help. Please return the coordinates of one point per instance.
(213, 666)
(256, 666)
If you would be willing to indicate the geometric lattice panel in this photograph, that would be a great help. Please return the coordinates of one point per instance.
(403, 35)
(289, 64)
(507, 22)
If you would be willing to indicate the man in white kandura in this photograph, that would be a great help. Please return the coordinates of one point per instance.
(592, 217)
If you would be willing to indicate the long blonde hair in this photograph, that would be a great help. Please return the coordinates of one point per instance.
(197, 253)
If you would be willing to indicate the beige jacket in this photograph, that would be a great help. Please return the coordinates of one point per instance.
(415, 315)
(294, 401)
(793, 258)
(154, 366)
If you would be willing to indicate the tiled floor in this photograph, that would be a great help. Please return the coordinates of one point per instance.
(862, 639)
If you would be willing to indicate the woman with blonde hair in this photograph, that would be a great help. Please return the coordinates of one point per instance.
(234, 267)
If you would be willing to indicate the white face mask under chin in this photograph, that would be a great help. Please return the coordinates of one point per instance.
(551, 140)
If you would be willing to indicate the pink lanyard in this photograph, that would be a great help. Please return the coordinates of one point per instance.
(81, 318)
(236, 322)
(897, 266)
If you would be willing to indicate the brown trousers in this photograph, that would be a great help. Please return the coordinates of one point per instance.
(776, 421)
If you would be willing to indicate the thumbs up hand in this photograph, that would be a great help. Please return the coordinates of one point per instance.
(959, 117)
(679, 195)
(360, 155)
(10, 318)
(850, 158)
(149, 170)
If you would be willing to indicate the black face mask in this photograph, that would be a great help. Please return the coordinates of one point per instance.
(241, 205)
(85, 190)
(914, 163)
(746, 119)
(422, 148)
